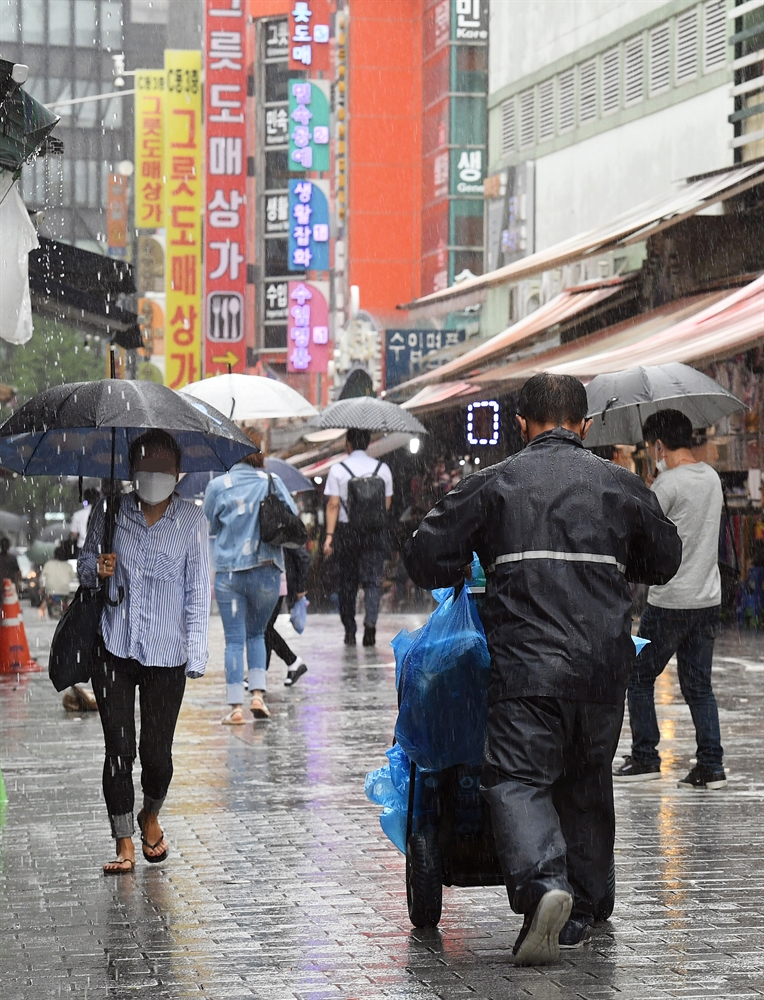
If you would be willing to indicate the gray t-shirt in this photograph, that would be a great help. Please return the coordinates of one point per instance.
(691, 495)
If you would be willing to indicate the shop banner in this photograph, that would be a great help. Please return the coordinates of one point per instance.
(116, 216)
(308, 344)
(225, 93)
(309, 32)
(149, 148)
(308, 225)
(309, 125)
(183, 216)
(406, 351)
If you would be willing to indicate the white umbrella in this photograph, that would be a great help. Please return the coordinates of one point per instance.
(250, 397)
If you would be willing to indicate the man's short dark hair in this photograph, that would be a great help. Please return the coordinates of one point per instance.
(671, 427)
(553, 399)
(358, 439)
(606, 451)
(154, 440)
(91, 495)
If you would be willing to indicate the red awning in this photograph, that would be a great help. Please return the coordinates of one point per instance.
(728, 326)
(562, 308)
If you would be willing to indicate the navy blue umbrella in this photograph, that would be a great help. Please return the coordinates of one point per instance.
(86, 428)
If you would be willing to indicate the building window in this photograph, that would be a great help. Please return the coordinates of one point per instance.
(566, 88)
(687, 46)
(508, 126)
(85, 29)
(111, 24)
(634, 79)
(660, 54)
(714, 35)
(587, 91)
(527, 118)
(33, 26)
(611, 81)
(59, 24)
(9, 21)
(546, 110)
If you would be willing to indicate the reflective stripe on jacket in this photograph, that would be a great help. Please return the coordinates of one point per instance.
(560, 533)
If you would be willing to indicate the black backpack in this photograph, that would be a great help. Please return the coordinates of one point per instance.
(366, 507)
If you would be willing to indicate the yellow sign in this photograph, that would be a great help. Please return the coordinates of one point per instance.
(149, 148)
(183, 142)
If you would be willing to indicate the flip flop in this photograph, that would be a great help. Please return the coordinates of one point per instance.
(153, 859)
(119, 860)
(234, 718)
(258, 708)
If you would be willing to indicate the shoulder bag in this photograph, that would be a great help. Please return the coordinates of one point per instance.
(77, 642)
(278, 525)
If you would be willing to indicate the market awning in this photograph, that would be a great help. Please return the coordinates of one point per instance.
(631, 333)
(431, 395)
(382, 446)
(733, 324)
(561, 309)
(631, 227)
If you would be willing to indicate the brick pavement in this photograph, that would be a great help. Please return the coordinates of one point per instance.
(281, 885)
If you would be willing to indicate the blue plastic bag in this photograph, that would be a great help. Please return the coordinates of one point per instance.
(389, 787)
(442, 672)
(640, 643)
(299, 614)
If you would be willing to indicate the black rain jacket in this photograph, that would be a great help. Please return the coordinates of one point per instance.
(560, 534)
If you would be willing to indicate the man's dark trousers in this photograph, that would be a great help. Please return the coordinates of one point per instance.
(360, 562)
(547, 777)
(690, 633)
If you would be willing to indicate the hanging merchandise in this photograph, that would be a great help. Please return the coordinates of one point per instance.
(17, 237)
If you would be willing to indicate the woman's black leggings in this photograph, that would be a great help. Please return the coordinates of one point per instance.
(275, 642)
(160, 692)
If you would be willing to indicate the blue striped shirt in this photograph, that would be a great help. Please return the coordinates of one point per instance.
(164, 570)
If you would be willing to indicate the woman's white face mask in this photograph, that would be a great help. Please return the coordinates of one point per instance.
(153, 487)
(660, 465)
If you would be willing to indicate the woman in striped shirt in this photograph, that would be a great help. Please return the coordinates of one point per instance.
(154, 635)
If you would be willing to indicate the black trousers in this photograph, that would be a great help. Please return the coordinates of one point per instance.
(275, 642)
(361, 563)
(160, 691)
(547, 777)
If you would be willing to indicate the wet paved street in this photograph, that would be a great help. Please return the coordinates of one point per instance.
(280, 883)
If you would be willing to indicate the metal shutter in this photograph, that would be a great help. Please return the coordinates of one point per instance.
(660, 54)
(714, 35)
(546, 110)
(527, 118)
(508, 140)
(611, 81)
(634, 76)
(566, 90)
(687, 46)
(587, 91)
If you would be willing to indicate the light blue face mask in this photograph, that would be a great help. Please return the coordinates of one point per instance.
(153, 487)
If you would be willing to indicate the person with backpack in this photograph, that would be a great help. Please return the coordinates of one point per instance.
(359, 491)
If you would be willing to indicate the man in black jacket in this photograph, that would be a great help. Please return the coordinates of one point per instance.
(560, 533)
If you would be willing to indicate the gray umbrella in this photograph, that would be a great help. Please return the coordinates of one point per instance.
(620, 402)
(366, 413)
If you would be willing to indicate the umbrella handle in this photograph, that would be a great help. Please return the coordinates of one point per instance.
(120, 596)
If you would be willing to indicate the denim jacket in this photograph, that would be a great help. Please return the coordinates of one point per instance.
(232, 505)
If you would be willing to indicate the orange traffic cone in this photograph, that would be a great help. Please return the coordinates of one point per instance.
(14, 651)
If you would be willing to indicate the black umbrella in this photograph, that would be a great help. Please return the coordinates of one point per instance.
(86, 428)
(24, 123)
(368, 414)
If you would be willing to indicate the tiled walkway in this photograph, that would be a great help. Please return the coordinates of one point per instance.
(280, 883)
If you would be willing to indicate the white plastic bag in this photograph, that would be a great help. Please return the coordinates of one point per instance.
(17, 238)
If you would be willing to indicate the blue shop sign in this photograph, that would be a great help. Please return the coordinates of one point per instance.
(406, 351)
(308, 226)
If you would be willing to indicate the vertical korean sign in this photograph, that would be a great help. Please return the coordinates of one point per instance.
(183, 218)
(225, 92)
(149, 148)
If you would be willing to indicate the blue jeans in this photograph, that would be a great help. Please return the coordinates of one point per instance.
(246, 599)
(690, 634)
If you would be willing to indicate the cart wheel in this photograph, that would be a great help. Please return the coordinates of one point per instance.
(607, 903)
(424, 879)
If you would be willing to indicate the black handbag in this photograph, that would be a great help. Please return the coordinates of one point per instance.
(278, 525)
(77, 641)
